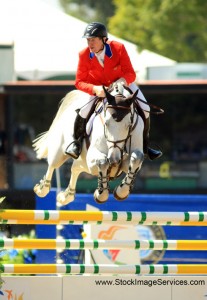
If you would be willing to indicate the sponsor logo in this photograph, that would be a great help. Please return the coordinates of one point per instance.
(10, 295)
(151, 233)
(143, 233)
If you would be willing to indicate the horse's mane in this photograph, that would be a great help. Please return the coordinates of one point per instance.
(69, 103)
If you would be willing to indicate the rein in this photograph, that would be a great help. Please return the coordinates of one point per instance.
(128, 137)
(130, 127)
(159, 109)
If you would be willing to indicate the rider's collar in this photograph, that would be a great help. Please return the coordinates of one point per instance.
(108, 52)
(101, 53)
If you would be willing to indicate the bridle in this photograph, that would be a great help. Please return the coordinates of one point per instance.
(115, 144)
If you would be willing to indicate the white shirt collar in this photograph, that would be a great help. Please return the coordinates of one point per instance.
(100, 56)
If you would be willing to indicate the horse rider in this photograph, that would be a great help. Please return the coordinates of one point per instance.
(100, 64)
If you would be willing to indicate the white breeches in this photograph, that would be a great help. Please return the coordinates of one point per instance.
(84, 111)
(146, 108)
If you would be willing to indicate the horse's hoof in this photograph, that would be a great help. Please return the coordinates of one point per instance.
(42, 188)
(40, 192)
(119, 198)
(100, 202)
(63, 200)
(100, 198)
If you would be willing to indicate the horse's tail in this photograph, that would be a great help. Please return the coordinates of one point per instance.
(40, 145)
(68, 104)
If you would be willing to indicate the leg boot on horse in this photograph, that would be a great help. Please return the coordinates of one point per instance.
(74, 149)
(151, 153)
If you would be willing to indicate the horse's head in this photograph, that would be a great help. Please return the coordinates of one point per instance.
(119, 116)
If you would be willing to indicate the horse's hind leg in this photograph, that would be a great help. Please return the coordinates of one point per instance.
(55, 159)
(42, 188)
(124, 189)
(67, 196)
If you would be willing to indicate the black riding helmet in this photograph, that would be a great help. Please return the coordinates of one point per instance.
(95, 29)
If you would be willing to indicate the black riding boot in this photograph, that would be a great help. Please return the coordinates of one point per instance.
(74, 149)
(151, 153)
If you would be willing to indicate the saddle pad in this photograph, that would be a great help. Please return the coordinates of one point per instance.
(89, 125)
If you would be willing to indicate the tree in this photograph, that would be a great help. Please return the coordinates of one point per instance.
(173, 28)
(89, 10)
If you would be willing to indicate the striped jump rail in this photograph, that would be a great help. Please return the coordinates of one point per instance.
(167, 269)
(6, 243)
(54, 217)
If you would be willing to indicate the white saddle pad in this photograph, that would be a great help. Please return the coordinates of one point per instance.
(89, 125)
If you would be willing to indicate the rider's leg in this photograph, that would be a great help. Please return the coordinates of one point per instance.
(74, 149)
(151, 153)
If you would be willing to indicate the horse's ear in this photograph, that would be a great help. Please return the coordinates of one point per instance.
(105, 90)
(109, 97)
(132, 98)
(135, 94)
(128, 89)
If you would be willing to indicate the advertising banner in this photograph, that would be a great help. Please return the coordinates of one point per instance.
(31, 288)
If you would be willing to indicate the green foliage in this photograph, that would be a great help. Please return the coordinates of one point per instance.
(12, 257)
(1, 280)
(173, 28)
(17, 256)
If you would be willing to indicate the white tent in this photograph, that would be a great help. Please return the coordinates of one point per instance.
(46, 40)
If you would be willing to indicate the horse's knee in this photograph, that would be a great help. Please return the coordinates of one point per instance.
(137, 157)
(102, 163)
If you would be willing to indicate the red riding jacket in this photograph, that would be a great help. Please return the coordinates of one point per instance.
(117, 64)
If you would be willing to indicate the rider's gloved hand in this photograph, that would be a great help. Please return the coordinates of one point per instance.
(117, 86)
(98, 91)
(121, 81)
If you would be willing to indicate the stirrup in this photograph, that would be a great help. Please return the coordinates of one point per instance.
(74, 149)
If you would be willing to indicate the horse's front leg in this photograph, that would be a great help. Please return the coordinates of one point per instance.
(67, 196)
(123, 190)
(101, 194)
(42, 188)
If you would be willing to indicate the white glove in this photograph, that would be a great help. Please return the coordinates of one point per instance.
(121, 81)
(118, 86)
(99, 91)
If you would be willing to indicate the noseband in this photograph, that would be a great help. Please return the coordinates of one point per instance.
(118, 106)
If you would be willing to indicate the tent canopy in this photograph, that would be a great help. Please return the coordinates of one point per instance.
(46, 40)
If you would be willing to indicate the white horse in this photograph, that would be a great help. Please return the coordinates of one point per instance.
(115, 145)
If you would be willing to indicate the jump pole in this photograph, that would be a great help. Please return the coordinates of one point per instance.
(15, 243)
(90, 217)
(167, 269)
